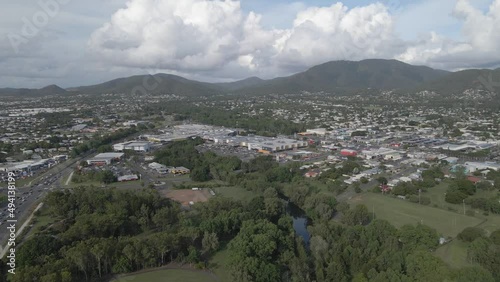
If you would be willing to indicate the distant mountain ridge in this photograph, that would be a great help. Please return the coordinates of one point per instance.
(331, 77)
(45, 91)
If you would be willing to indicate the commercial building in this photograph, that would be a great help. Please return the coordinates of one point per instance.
(475, 166)
(159, 168)
(348, 153)
(131, 177)
(138, 146)
(105, 158)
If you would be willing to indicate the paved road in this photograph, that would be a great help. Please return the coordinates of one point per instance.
(29, 196)
(5, 248)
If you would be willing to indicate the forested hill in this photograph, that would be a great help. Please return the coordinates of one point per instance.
(335, 77)
(338, 76)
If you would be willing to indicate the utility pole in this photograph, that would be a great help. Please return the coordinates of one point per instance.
(463, 201)
(419, 190)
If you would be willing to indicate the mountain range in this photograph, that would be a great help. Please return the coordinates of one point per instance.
(331, 77)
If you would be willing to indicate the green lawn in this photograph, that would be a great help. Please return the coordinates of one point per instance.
(491, 224)
(454, 253)
(169, 275)
(43, 219)
(236, 193)
(218, 264)
(400, 212)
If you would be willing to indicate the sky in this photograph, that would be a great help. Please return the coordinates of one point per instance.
(74, 43)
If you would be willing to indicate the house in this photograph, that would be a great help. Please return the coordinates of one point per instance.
(312, 173)
(473, 179)
(179, 170)
(385, 188)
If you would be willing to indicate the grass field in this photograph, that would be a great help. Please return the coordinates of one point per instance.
(400, 212)
(454, 253)
(43, 219)
(169, 275)
(236, 193)
(219, 263)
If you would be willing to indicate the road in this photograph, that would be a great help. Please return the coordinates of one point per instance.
(5, 248)
(29, 196)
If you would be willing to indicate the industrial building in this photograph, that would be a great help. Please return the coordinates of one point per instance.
(138, 146)
(161, 169)
(131, 177)
(259, 143)
(183, 132)
(105, 158)
(476, 166)
(348, 153)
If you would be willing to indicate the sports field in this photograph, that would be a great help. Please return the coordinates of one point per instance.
(169, 275)
(187, 195)
(400, 212)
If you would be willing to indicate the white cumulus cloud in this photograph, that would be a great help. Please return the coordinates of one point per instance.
(208, 36)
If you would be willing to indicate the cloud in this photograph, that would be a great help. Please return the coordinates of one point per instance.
(478, 46)
(208, 36)
(221, 40)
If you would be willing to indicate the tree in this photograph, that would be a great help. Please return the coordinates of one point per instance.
(105, 148)
(364, 180)
(454, 196)
(201, 173)
(419, 236)
(470, 234)
(423, 266)
(254, 254)
(382, 180)
(108, 177)
(472, 273)
(357, 216)
(495, 237)
(210, 242)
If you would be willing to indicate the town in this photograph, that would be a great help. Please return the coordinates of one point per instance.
(402, 163)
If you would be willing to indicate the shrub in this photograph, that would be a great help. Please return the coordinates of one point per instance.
(470, 234)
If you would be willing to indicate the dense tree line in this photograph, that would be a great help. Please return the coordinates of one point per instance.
(104, 176)
(262, 124)
(98, 141)
(203, 166)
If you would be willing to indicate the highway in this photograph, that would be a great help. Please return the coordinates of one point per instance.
(28, 197)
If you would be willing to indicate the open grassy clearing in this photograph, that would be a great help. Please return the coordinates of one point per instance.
(399, 212)
(43, 219)
(454, 253)
(219, 265)
(169, 275)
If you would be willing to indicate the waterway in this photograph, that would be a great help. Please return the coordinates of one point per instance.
(300, 222)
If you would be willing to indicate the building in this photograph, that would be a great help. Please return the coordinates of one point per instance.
(138, 146)
(179, 170)
(105, 158)
(348, 153)
(317, 131)
(475, 166)
(131, 177)
(161, 169)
